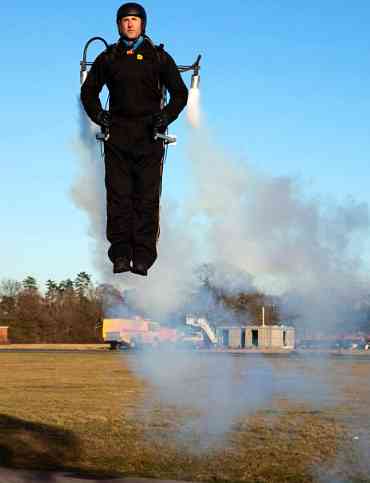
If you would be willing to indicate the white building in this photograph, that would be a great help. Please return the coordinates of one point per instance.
(254, 336)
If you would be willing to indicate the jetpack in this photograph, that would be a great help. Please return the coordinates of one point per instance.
(194, 84)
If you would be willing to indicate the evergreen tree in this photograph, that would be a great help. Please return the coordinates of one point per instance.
(51, 290)
(30, 284)
(82, 284)
(66, 288)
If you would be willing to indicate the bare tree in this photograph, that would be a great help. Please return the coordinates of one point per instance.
(9, 288)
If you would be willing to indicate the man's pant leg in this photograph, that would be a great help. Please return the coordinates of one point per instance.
(118, 182)
(147, 187)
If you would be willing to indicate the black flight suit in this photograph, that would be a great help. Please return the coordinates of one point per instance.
(133, 160)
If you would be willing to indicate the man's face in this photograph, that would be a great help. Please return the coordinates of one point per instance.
(130, 27)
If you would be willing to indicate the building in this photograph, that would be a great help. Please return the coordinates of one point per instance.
(262, 337)
(4, 335)
(136, 332)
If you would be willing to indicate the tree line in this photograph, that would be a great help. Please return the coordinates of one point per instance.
(65, 312)
(71, 310)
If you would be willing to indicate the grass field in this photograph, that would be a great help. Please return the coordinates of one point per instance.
(54, 347)
(91, 413)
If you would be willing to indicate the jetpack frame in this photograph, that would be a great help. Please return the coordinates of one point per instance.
(84, 69)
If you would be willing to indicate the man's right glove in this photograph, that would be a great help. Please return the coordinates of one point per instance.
(104, 119)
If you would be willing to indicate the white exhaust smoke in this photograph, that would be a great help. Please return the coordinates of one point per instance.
(293, 246)
(88, 190)
(308, 252)
(253, 224)
(193, 108)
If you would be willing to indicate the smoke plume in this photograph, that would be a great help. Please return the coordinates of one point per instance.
(217, 391)
(292, 245)
(303, 249)
(193, 108)
(260, 232)
(88, 191)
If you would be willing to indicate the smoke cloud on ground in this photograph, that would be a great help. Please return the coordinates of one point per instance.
(218, 391)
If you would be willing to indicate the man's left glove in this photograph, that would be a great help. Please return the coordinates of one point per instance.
(160, 121)
(104, 119)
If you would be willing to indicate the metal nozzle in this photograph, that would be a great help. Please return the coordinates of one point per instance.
(168, 139)
(195, 78)
(195, 81)
(103, 135)
(83, 74)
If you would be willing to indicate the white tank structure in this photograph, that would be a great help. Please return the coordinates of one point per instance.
(206, 328)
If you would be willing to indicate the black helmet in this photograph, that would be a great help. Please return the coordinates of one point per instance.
(132, 9)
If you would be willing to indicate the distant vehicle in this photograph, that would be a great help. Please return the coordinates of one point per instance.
(317, 344)
(140, 333)
(347, 344)
(357, 343)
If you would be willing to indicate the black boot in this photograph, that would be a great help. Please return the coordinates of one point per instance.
(139, 269)
(121, 264)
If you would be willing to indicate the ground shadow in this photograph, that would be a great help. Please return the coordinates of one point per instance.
(35, 446)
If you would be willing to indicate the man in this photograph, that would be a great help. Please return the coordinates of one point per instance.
(134, 71)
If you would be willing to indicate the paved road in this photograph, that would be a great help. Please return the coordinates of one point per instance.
(22, 476)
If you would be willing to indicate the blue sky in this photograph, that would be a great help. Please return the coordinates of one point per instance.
(284, 84)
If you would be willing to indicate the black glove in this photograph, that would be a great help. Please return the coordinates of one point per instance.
(160, 121)
(104, 119)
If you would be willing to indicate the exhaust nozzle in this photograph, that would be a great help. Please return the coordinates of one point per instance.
(83, 75)
(195, 81)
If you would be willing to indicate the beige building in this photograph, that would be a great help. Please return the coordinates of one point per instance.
(263, 337)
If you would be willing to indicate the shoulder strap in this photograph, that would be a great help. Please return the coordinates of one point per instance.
(161, 56)
(160, 53)
(161, 61)
(159, 49)
(111, 51)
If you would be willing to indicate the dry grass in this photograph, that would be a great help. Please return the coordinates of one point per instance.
(81, 411)
(56, 347)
